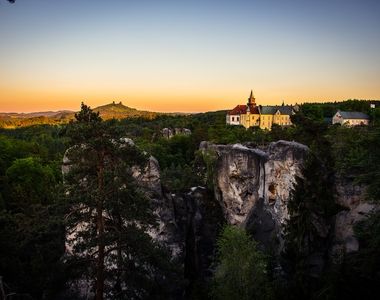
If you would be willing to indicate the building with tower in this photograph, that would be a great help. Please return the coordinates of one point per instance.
(252, 115)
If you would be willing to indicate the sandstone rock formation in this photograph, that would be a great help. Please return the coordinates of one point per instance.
(351, 196)
(170, 132)
(253, 185)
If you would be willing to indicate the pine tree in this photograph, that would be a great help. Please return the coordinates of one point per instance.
(109, 215)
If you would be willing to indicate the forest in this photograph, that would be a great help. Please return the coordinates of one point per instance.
(97, 210)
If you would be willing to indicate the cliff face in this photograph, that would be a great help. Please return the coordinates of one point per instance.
(253, 185)
(188, 222)
(351, 197)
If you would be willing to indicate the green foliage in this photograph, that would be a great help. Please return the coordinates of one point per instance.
(367, 260)
(312, 112)
(29, 183)
(86, 115)
(311, 207)
(179, 178)
(371, 165)
(110, 214)
(357, 155)
(349, 149)
(309, 131)
(31, 245)
(241, 272)
(357, 276)
(44, 142)
(209, 158)
(31, 231)
(311, 204)
(176, 156)
(318, 111)
(375, 115)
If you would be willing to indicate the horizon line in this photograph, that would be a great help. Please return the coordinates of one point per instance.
(177, 112)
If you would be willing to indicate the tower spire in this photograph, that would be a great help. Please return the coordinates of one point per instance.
(251, 99)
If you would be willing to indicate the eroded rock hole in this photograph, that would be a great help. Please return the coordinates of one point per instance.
(272, 193)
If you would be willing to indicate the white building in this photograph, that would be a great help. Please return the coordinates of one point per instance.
(350, 118)
(233, 117)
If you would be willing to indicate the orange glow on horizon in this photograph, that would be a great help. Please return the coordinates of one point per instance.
(32, 100)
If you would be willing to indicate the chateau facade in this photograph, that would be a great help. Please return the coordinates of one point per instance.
(251, 115)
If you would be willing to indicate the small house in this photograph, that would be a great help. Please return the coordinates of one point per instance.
(350, 118)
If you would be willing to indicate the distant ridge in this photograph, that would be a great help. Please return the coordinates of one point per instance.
(120, 111)
(108, 111)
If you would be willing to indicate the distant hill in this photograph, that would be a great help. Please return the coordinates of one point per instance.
(49, 114)
(120, 111)
(12, 120)
(108, 111)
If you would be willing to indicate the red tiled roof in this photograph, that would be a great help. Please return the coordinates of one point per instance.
(254, 109)
(239, 109)
(242, 109)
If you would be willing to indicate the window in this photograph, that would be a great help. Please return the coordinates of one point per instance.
(233, 119)
(237, 119)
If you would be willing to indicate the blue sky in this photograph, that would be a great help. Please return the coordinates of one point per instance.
(186, 55)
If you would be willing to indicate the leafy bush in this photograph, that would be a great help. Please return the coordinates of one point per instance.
(241, 272)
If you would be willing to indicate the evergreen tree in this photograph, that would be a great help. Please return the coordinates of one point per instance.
(87, 115)
(109, 215)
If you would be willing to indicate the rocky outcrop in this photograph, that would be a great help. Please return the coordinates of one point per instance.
(351, 197)
(170, 132)
(189, 224)
(149, 177)
(253, 186)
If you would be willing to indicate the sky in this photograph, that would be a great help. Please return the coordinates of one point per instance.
(186, 55)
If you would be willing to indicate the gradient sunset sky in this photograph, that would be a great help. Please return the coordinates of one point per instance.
(186, 56)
